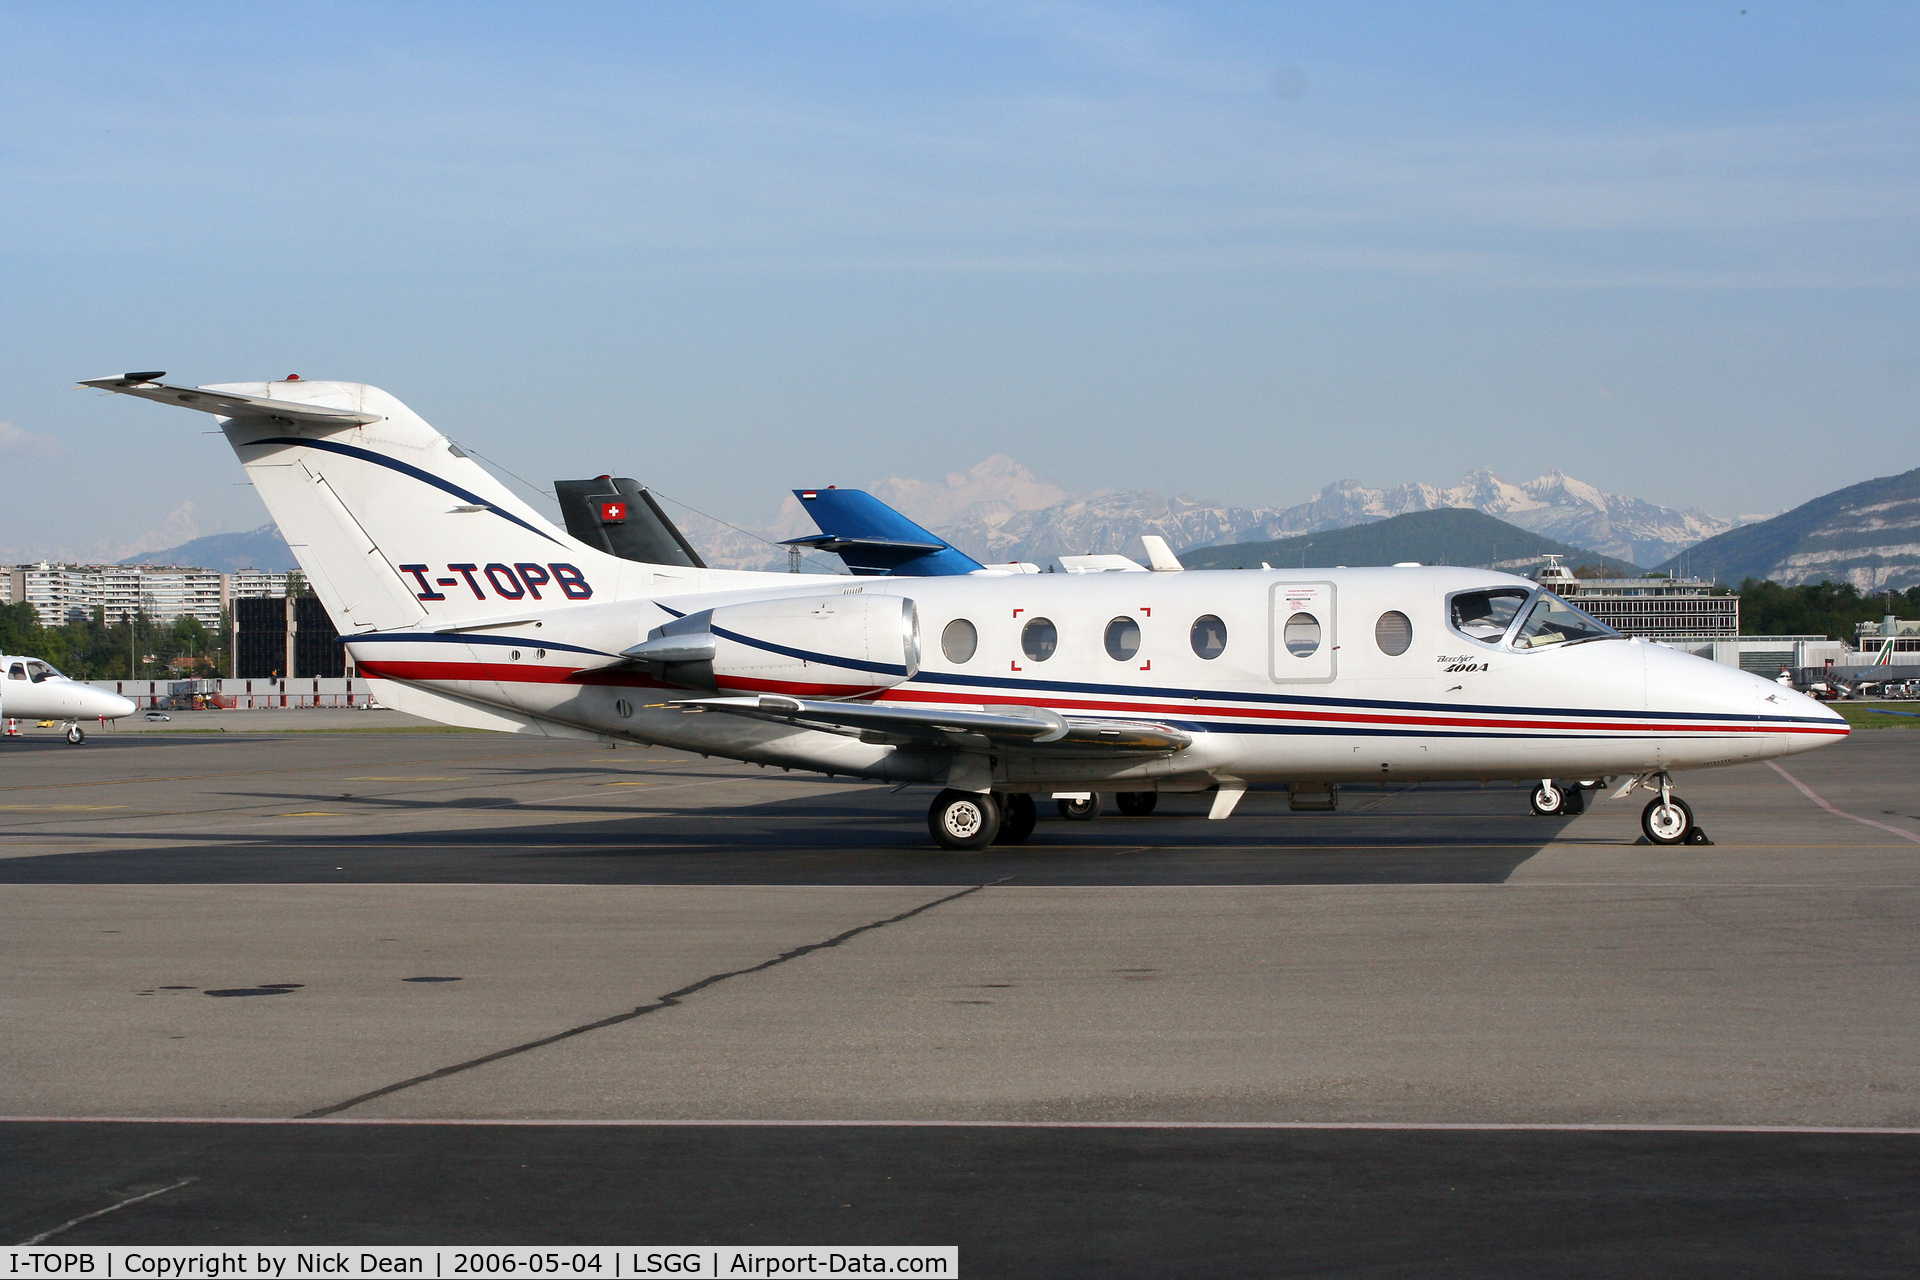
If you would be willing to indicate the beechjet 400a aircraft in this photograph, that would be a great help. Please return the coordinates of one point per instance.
(32, 690)
(465, 606)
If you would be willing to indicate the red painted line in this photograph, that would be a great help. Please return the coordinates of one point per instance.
(1341, 717)
(531, 673)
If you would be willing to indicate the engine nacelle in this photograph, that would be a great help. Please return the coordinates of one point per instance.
(810, 646)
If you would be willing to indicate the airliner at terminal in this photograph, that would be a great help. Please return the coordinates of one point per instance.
(466, 606)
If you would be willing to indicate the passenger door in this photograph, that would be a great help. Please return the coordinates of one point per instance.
(1304, 635)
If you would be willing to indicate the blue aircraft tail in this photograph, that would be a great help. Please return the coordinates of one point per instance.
(872, 538)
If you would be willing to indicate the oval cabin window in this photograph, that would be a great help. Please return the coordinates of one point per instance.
(959, 641)
(1209, 637)
(1393, 633)
(1038, 639)
(1123, 639)
(1302, 635)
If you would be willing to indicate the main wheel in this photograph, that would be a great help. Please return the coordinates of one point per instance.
(1667, 822)
(1137, 804)
(963, 820)
(1018, 817)
(76, 735)
(1079, 810)
(1548, 800)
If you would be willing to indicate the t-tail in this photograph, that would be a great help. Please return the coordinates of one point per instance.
(393, 524)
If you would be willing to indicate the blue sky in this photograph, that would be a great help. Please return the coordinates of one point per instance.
(1237, 251)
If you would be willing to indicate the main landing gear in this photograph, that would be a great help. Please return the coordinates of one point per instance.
(969, 820)
(1558, 799)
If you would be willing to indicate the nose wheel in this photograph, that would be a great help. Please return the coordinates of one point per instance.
(1667, 819)
(76, 735)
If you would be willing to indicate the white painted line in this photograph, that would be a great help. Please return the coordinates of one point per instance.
(74, 1222)
(1388, 1126)
(1808, 792)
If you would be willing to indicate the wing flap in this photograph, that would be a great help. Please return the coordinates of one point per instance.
(1010, 728)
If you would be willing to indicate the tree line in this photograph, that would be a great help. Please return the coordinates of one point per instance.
(133, 647)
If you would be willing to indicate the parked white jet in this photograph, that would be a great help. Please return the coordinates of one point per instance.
(33, 690)
(466, 606)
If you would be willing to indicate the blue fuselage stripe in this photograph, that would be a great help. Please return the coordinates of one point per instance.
(394, 464)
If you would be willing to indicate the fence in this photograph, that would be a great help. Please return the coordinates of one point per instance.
(242, 695)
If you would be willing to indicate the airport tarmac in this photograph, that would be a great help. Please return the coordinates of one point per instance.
(542, 991)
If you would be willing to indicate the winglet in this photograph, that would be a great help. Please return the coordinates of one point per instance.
(1159, 555)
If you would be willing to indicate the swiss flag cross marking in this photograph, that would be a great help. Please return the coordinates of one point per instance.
(613, 512)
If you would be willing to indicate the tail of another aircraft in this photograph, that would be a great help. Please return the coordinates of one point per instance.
(392, 523)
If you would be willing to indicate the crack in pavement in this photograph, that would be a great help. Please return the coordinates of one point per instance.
(666, 1001)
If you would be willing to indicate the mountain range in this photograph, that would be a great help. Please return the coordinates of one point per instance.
(1448, 536)
(1867, 534)
(1000, 511)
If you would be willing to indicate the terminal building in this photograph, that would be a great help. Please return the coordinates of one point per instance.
(1654, 608)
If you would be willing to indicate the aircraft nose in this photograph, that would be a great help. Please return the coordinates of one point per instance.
(99, 704)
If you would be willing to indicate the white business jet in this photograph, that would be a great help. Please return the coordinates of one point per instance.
(33, 690)
(465, 606)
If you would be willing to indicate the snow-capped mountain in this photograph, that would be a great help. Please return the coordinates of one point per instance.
(1554, 505)
(1000, 511)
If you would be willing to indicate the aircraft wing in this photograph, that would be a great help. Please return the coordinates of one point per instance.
(227, 404)
(1012, 728)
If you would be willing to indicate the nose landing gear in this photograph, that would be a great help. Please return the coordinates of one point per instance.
(76, 735)
(1668, 820)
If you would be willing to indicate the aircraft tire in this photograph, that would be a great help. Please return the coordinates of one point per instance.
(1136, 804)
(1079, 810)
(1548, 800)
(963, 820)
(1668, 823)
(1018, 817)
(76, 735)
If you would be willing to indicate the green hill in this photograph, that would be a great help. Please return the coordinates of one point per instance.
(1867, 534)
(1454, 535)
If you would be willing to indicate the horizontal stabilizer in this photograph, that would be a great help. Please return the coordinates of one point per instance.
(229, 405)
(872, 538)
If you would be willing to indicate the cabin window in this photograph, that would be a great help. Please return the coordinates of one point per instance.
(1038, 639)
(1554, 621)
(1123, 639)
(959, 641)
(1393, 633)
(18, 671)
(1301, 635)
(1209, 637)
(1485, 615)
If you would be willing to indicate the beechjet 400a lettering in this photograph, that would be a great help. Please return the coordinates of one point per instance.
(463, 605)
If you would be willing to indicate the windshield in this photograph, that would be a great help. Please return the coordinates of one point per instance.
(1554, 621)
(38, 671)
(1484, 615)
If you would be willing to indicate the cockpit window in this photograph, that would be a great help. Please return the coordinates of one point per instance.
(18, 671)
(1485, 615)
(38, 671)
(1554, 621)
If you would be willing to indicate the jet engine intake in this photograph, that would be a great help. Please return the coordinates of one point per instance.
(836, 646)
